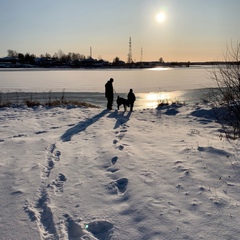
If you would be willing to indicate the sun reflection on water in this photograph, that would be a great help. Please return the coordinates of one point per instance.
(159, 69)
(157, 96)
(152, 99)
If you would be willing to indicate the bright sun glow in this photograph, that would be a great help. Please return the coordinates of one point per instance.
(161, 17)
(157, 96)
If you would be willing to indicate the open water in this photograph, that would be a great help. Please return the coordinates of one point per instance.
(149, 85)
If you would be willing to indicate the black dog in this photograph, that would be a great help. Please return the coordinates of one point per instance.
(122, 101)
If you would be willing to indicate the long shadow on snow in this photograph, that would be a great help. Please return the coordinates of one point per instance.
(222, 115)
(170, 110)
(82, 126)
(205, 116)
(119, 116)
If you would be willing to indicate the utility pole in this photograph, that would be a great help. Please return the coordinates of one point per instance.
(90, 52)
(141, 54)
(130, 51)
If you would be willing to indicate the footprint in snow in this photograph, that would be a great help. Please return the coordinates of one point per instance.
(17, 192)
(19, 135)
(102, 230)
(112, 170)
(124, 130)
(114, 160)
(73, 228)
(54, 127)
(119, 186)
(57, 155)
(120, 147)
(40, 132)
(47, 169)
(57, 184)
(120, 136)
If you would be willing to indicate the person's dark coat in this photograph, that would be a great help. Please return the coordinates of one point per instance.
(131, 96)
(131, 99)
(109, 89)
(109, 93)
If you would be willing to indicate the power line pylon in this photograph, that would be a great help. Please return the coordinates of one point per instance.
(130, 51)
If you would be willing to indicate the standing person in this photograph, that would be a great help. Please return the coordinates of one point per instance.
(131, 99)
(109, 93)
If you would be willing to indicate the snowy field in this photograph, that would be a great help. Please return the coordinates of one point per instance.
(77, 173)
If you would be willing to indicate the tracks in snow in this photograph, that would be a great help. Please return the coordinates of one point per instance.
(41, 210)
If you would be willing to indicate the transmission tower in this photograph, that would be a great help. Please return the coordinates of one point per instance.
(130, 51)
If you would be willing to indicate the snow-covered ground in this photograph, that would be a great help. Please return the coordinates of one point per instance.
(78, 173)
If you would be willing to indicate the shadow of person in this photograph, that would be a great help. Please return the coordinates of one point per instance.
(81, 126)
(120, 117)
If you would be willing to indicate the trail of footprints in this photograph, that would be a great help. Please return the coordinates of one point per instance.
(118, 186)
(40, 210)
(120, 136)
(53, 156)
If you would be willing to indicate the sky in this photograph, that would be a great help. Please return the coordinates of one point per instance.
(188, 30)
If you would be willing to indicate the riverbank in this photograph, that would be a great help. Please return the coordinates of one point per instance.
(143, 100)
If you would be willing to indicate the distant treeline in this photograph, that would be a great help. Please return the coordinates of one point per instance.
(76, 60)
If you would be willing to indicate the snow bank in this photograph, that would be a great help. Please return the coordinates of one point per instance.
(77, 173)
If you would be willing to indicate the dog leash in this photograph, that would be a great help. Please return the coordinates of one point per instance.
(114, 92)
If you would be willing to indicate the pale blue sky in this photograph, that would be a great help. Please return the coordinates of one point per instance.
(194, 30)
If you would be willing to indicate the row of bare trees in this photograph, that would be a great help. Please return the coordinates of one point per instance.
(60, 55)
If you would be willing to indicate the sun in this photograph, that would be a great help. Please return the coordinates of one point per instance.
(160, 17)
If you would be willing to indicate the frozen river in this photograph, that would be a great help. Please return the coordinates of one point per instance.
(149, 85)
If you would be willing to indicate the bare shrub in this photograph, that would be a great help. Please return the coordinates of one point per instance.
(226, 96)
(42, 99)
